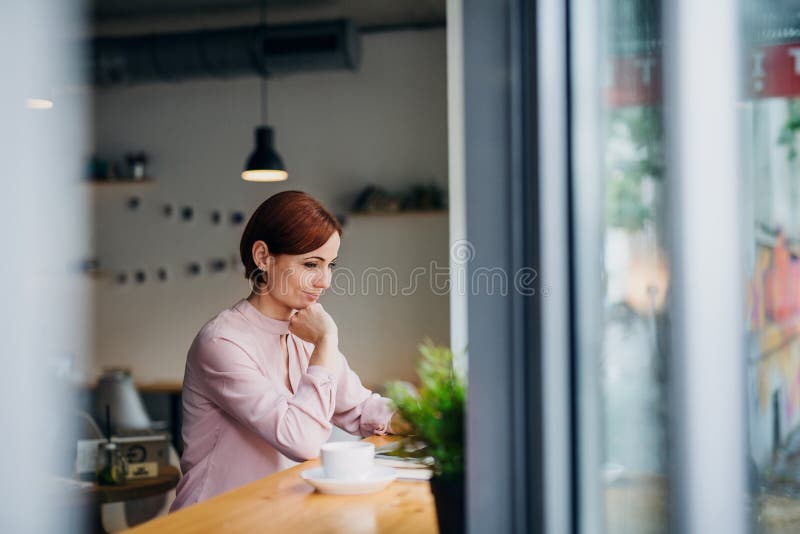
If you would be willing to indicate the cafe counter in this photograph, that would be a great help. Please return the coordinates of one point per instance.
(284, 502)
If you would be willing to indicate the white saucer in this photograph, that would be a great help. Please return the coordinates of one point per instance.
(378, 478)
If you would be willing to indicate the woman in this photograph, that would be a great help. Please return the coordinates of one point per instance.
(265, 380)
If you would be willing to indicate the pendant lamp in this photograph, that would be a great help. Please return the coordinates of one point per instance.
(264, 164)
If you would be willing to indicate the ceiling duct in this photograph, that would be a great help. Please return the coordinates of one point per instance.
(225, 53)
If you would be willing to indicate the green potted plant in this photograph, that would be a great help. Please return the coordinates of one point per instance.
(435, 417)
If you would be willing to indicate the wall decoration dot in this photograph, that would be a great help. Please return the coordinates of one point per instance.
(236, 263)
(161, 274)
(194, 268)
(133, 203)
(218, 265)
(122, 278)
(216, 217)
(237, 218)
(168, 210)
(140, 276)
(187, 213)
(90, 266)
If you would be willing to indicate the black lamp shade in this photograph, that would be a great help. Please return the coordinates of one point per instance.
(264, 164)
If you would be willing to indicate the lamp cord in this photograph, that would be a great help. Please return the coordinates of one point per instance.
(263, 66)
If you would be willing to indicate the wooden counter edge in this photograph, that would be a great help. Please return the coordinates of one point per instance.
(212, 506)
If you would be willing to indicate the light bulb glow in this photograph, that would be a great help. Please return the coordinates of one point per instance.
(264, 175)
(38, 103)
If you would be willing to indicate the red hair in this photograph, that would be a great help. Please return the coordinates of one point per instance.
(290, 222)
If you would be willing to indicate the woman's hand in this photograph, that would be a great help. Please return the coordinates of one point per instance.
(399, 426)
(315, 325)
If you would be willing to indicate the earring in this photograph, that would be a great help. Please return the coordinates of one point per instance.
(258, 281)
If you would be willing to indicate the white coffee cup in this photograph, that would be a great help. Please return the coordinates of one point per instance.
(348, 460)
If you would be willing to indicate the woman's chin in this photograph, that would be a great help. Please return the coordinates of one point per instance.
(307, 299)
(302, 304)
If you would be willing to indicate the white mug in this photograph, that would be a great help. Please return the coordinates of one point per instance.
(347, 460)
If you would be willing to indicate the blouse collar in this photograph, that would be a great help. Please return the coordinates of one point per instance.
(252, 314)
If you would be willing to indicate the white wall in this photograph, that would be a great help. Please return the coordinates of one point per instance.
(337, 131)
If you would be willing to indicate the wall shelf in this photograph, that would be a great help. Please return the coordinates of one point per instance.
(393, 213)
(120, 182)
(386, 214)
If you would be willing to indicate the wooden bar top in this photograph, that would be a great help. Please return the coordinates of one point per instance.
(167, 479)
(283, 502)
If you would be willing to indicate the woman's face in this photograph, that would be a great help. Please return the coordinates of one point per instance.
(297, 281)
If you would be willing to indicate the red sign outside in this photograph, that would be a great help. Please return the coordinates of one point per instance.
(773, 71)
(635, 81)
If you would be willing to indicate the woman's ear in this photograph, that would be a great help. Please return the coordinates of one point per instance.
(260, 254)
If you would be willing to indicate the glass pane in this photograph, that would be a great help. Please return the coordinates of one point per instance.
(770, 115)
(623, 281)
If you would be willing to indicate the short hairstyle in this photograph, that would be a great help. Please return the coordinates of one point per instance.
(290, 222)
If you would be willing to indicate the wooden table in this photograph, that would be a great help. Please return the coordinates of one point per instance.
(87, 501)
(283, 502)
(168, 477)
(96, 494)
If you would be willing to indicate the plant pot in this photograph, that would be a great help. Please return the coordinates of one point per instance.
(448, 493)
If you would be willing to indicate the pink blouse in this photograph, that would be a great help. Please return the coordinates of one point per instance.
(242, 423)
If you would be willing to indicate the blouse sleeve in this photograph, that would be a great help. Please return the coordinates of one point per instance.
(296, 425)
(359, 410)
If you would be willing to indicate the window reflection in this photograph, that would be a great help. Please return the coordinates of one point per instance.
(634, 281)
(771, 181)
(636, 272)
